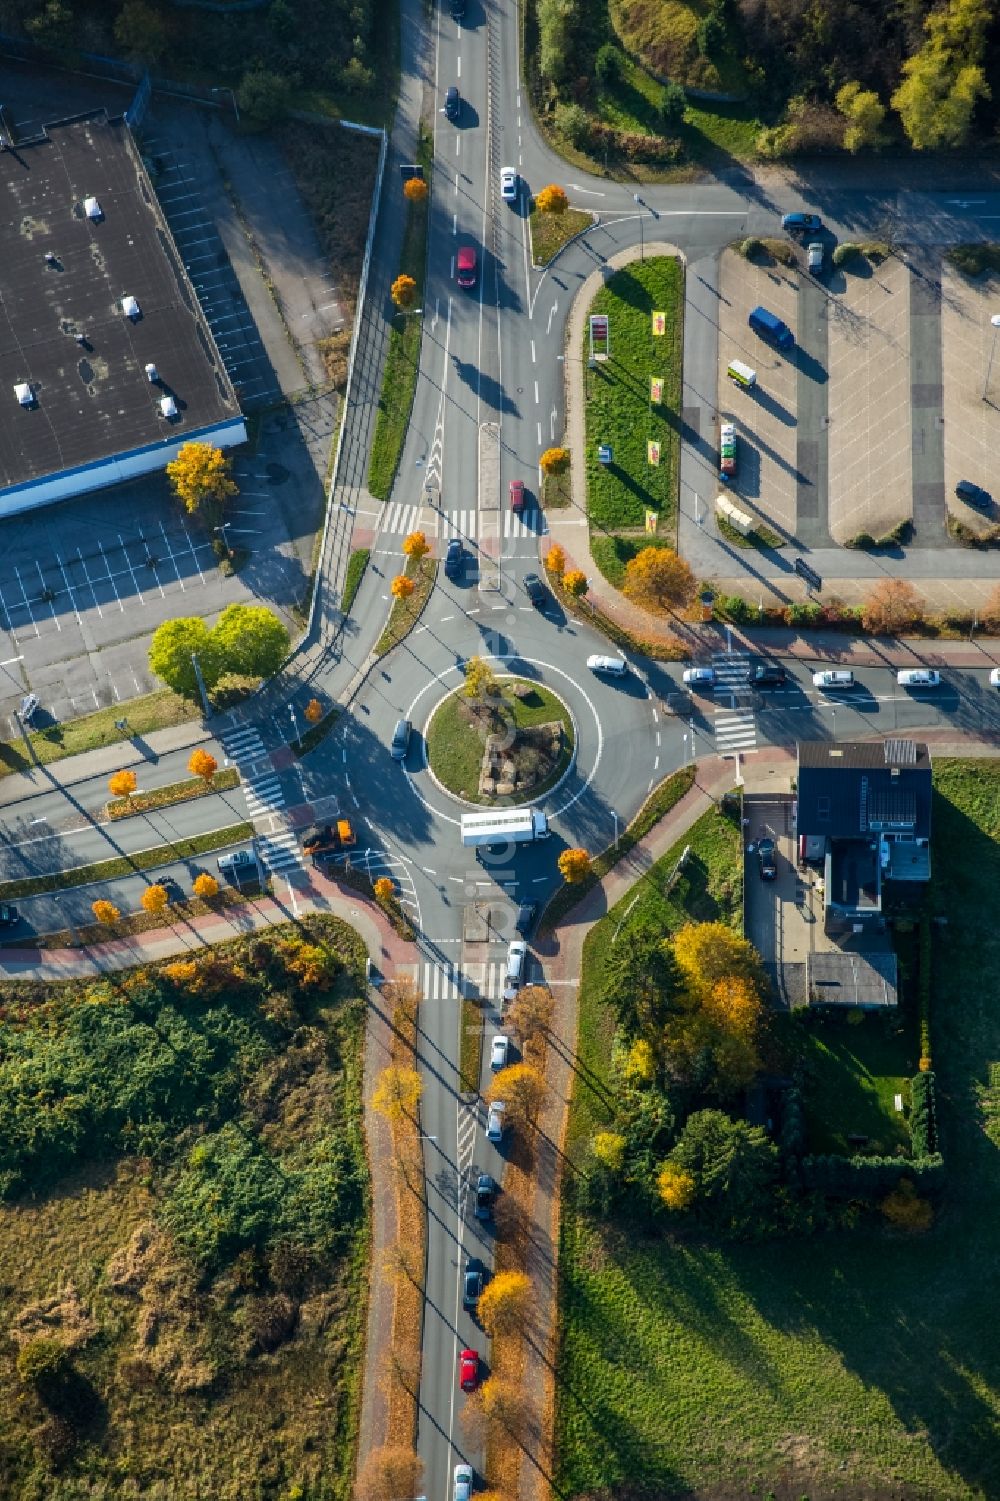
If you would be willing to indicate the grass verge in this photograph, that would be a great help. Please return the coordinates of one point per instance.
(402, 360)
(618, 407)
(557, 490)
(471, 1051)
(126, 865)
(316, 733)
(131, 923)
(550, 232)
(174, 792)
(844, 1408)
(406, 612)
(761, 537)
(356, 565)
(153, 711)
(668, 649)
(455, 743)
(853, 1065)
(657, 806)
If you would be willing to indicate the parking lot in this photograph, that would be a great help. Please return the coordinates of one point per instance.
(766, 468)
(870, 461)
(971, 410)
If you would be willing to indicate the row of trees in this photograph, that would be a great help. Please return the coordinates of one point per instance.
(247, 641)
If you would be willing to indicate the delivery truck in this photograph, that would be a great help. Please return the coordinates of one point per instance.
(504, 826)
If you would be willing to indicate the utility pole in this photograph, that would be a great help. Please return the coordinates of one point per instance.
(206, 707)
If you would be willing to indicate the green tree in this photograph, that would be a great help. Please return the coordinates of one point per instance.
(264, 96)
(45, 1367)
(943, 81)
(140, 32)
(733, 1167)
(641, 981)
(608, 64)
(52, 26)
(172, 648)
(557, 20)
(250, 639)
(864, 115)
(672, 106)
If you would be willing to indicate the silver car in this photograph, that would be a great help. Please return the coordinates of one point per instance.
(463, 1483)
(699, 677)
(814, 257)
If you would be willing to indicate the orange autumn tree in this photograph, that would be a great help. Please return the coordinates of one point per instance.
(383, 889)
(416, 546)
(401, 586)
(403, 291)
(574, 866)
(122, 784)
(105, 912)
(554, 461)
(205, 886)
(201, 475)
(415, 189)
(552, 199)
(203, 765)
(555, 560)
(505, 1303)
(154, 898)
(659, 580)
(313, 711)
(575, 583)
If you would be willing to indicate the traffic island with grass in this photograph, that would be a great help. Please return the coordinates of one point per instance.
(633, 441)
(550, 232)
(500, 749)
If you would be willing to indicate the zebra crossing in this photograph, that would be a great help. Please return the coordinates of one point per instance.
(735, 727)
(263, 791)
(399, 519)
(450, 982)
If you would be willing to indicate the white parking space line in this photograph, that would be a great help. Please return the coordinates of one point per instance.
(172, 556)
(135, 581)
(90, 585)
(149, 554)
(52, 603)
(111, 576)
(69, 588)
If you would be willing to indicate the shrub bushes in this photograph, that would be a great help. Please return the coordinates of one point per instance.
(844, 252)
(608, 64)
(808, 615)
(924, 960)
(870, 1178)
(923, 1115)
(573, 123)
(751, 247)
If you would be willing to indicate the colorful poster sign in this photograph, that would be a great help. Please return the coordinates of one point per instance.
(653, 453)
(656, 389)
(651, 521)
(659, 324)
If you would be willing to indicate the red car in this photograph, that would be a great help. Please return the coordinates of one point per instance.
(517, 496)
(468, 1370)
(465, 266)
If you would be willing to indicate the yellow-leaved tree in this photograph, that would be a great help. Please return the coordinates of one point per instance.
(608, 1148)
(389, 1472)
(205, 886)
(555, 560)
(574, 866)
(530, 1012)
(201, 475)
(659, 580)
(480, 679)
(522, 1088)
(505, 1302)
(105, 912)
(415, 189)
(383, 889)
(675, 1187)
(403, 291)
(313, 711)
(575, 583)
(154, 898)
(554, 461)
(552, 199)
(397, 1093)
(416, 546)
(122, 784)
(401, 586)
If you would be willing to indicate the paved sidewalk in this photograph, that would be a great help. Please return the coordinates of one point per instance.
(139, 750)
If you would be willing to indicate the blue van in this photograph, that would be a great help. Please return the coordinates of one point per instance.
(771, 328)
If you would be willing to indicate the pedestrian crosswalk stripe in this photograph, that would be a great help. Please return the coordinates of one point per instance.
(400, 519)
(736, 731)
(279, 851)
(732, 670)
(449, 982)
(239, 744)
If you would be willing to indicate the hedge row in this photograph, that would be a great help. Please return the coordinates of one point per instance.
(871, 1177)
(923, 1116)
(924, 992)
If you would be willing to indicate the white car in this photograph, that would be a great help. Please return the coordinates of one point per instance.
(699, 677)
(616, 666)
(499, 1048)
(995, 678)
(918, 677)
(463, 1483)
(508, 184)
(814, 257)
(494, 1121)
(837, 677)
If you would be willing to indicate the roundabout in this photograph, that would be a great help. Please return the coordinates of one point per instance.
(500, 748)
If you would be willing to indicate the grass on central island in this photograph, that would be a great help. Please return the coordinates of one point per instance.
(860, 1365)
(455, 742)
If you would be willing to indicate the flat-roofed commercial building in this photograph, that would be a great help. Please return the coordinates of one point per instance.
(107, 365)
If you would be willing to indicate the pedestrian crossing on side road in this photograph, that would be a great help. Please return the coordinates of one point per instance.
(401, 519)
(449, 982)
(732, 671)
(735, 731)
(264, 795)
(243, 744)
(279, 851)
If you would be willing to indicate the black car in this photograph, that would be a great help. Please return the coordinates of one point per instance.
(765, 859)
(973, 495)
(472, 1283)
(9, 916)
(452, 103)
(534, 588)
(525, 916)
(485, 1189)
(457, 9)
(769, 675)
(454, 559)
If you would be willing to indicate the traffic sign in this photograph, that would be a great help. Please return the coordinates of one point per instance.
(605, 453)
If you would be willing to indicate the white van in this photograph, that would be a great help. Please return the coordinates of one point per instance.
(616, 666)
(918, 677)
(517, 962)
(834, 677)
(741, 374)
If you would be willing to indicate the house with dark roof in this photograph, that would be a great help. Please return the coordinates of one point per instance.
(863, 812)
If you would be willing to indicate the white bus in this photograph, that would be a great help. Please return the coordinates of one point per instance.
(504, 826)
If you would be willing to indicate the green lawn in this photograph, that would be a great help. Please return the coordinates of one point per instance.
(550, 232)
(619, 411)
(611, 554)
(855, 1065)
(455, 745)
(153, 711)
(402, 360)
(856, 1365)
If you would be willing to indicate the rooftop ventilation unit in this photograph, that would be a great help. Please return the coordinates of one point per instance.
(131, 308)
(168, 406)
(92, 209)
(24, 394)
(152, 374)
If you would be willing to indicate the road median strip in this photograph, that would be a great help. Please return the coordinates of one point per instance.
(174, 792)
(125, 865)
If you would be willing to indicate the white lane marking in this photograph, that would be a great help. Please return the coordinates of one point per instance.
(458, 65)
(552, 312)
(552, 424)
(539, 427)
(533, 351)
(454, 230)
(536, 393)
(458, 145)
(453, 268)
(590, 192)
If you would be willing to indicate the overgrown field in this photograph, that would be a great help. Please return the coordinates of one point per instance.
(183, 1226)
(858, 1364)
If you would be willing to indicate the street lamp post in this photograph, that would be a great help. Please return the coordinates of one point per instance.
(642, 249)
(236, 108)
(995, 320)
(74, 936)
(222, 531)
(295, 722)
